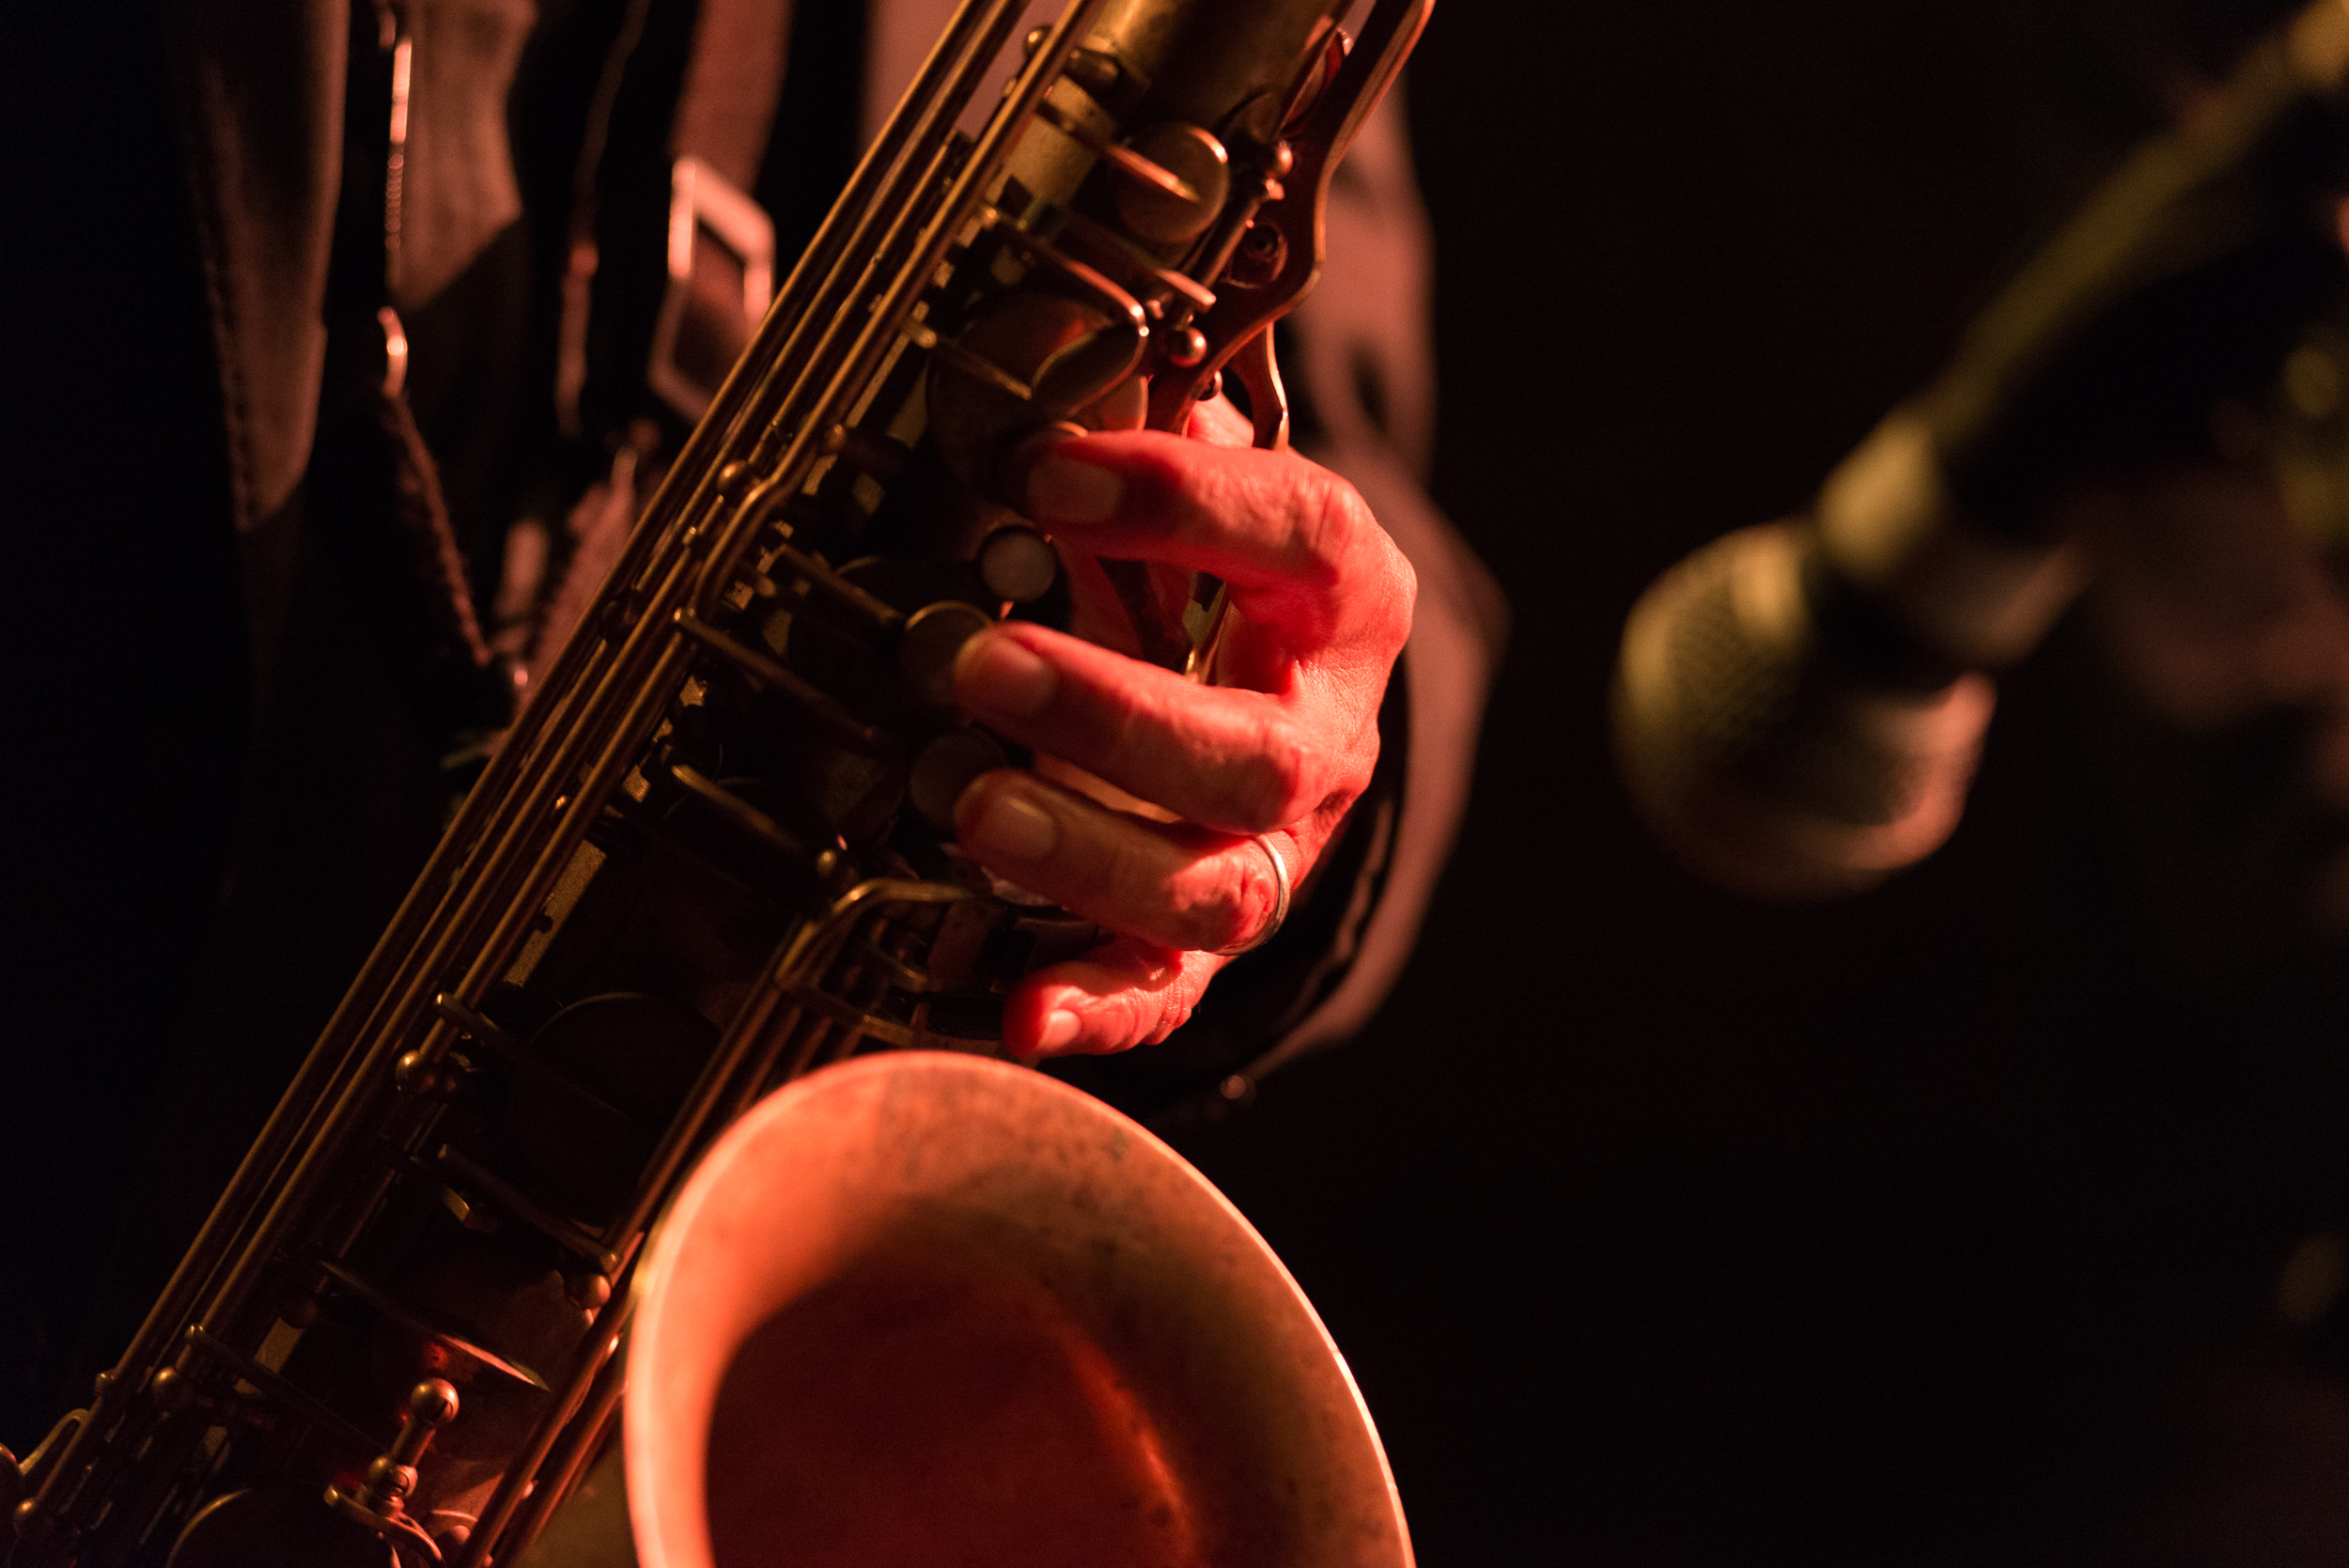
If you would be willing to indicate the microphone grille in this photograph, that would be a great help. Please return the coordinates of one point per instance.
(1757, 759)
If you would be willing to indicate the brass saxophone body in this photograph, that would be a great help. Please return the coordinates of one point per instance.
(714, 853)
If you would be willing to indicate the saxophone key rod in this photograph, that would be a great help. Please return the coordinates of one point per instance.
(885, 321)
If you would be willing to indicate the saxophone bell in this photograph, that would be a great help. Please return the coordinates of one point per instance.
(926, 1307)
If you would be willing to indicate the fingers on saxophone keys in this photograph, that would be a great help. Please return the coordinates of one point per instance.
(1234, 760)
(1127, 993)
(1173, 884)
(1293, 540)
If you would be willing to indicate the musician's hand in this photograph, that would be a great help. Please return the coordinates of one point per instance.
(1321, 602)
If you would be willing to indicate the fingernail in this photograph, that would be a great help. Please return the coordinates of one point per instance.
(997, 673)
(1060, 1030)
(1015, 829)
(1065, 491)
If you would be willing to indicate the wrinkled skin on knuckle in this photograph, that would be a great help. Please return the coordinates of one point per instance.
(1213, 917)
(1143, 1016)
(1193, 971)
(1279, 780)
(1372, 606)
(1219, 899)
(1333, 528)
(1231, 924)
(1130, 993)
(1173, 906)
(1349, 586)
(1324, 518)
(1128, 1021)
(1346, 693)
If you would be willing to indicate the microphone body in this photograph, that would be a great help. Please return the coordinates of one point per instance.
(1800, 707)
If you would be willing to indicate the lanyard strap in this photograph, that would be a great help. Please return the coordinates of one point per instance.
(669, 265)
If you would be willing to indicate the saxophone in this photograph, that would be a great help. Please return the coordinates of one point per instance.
(714, 855)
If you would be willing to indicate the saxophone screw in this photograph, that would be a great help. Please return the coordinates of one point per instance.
(1186, 347)
(419, 1075)
(388, 1481)
(1264, 250)
(171, 1390)
(432, 1401)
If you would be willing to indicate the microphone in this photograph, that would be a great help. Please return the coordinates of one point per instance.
(1799, 707)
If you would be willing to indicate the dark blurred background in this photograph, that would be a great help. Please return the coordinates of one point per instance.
(1945, 1224)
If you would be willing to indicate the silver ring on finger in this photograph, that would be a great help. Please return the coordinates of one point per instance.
(1279, 901)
